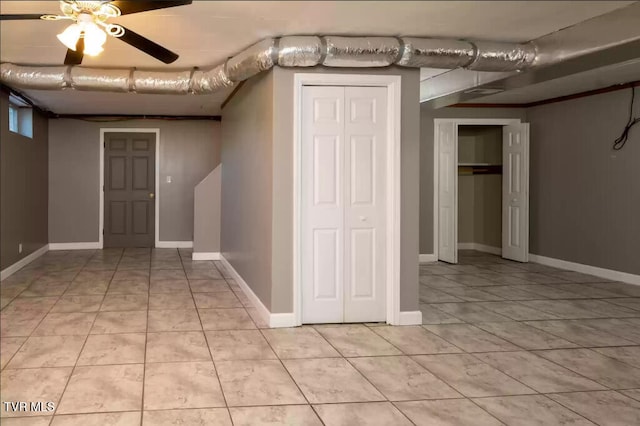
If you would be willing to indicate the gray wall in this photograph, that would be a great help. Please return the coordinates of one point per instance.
(585, 197)
(206, 213)
(427, 115)
(247, 152)
(189, 150)
(23, 192)
(257, 184)
(283, 184)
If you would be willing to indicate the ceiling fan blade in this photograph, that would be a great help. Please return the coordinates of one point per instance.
(20, 16)
(129, 7)
(74, 57)
(148, 46)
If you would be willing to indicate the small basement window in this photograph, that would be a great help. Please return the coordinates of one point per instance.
(20, 117)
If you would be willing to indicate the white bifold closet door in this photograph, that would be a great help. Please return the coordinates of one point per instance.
(343, 204)
(515, 192)
(447, 192)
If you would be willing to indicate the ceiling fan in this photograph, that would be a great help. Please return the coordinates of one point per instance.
(90, 28)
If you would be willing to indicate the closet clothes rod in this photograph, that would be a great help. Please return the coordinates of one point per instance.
(465, 170)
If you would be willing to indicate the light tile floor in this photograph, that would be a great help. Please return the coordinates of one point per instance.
(149, 337)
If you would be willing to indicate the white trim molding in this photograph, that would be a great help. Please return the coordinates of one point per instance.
(273, 320)
(282, 320)
(393, 84)
(95, 245)
(174, 244)
(12, 269)
(609, 274)
(205, 256)
(410, 318)
(101, 180)
(427, 258)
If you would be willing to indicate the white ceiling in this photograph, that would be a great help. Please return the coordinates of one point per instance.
(207, 32)
(78, 102)
(576, 83)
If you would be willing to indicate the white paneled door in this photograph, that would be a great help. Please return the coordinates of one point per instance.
(343, 233)
(515, 192)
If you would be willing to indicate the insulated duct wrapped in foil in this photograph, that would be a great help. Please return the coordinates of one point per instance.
(300, 51)
(105, 80)
(43, 78)
(290, 51)
(209, 81)
(493, 56)
(361, 51)
(257, 58)
(436, 53)
(168, 82)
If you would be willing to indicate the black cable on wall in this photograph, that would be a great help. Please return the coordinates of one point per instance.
(620, 142)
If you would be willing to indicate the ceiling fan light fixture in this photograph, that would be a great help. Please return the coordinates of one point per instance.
(69, 37)
(94, 51)
(94, 38)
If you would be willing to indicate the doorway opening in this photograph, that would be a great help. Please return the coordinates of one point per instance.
(480, 188)
(481, 174)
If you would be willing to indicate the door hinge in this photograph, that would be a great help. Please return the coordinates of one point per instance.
(102, 231)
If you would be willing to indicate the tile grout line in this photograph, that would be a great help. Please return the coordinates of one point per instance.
(73, 369)
(37, 325)
(359, 372)
(206, 340)
(472, 323)
(284, 367)
(146, 340)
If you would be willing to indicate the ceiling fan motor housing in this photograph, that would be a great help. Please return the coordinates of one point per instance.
(90, 28)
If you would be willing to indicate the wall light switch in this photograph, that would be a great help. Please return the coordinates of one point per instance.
(168, 179)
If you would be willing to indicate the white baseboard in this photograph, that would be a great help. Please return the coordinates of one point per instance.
(282, 320)
(410, 318)
(425, 258)
(274, 320)
(174, 244)
(609, 274)
(10, 270)
(205, 256)
(480, 247)
(75, 246)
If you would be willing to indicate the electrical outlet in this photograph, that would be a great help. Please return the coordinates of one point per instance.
(168, 179)
(20, 248)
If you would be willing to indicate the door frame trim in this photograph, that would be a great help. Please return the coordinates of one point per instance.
(104, 130)
(436, 153)
(393, 83)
